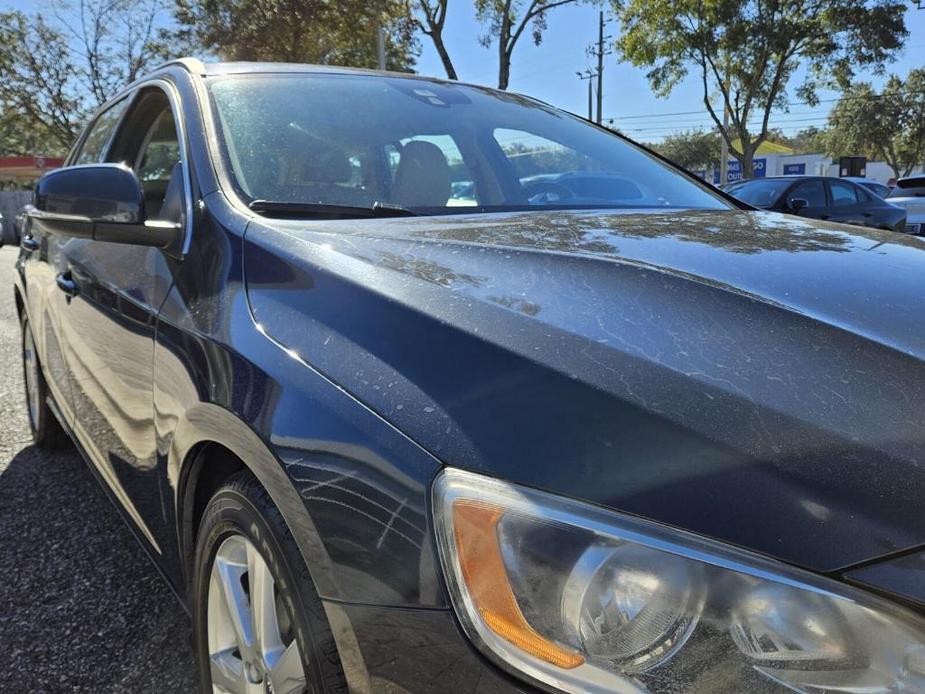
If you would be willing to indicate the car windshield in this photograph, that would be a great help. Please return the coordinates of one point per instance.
(370, 141)
(759, 192)
(909, 188)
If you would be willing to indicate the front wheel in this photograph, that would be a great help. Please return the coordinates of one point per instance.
(259, 624)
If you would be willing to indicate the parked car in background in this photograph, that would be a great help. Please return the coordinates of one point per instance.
(909, 194)
(820, 197)
(605, 431)
(876, 187)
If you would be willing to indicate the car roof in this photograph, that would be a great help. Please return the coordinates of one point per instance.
(219, 68)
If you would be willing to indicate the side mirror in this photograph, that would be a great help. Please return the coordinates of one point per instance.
(797, 204)
(104, 202)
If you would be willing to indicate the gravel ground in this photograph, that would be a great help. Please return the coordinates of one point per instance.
(82, 609)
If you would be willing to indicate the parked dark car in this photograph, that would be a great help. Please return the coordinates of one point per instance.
(820, 197)
(542, 434)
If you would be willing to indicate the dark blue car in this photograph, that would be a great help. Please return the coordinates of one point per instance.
(412, 386)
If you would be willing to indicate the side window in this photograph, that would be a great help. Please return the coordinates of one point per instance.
(94, 145)
(843, 194)
(811, 191)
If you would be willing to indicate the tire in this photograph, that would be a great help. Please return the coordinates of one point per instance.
(241, 519)
(47, 432)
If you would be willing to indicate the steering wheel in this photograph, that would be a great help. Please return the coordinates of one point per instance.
(535, 189)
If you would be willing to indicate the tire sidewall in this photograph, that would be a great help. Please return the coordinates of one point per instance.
(231, 512)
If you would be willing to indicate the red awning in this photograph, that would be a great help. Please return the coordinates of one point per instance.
(27, 167)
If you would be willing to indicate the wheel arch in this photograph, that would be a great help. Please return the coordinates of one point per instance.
(210, 444)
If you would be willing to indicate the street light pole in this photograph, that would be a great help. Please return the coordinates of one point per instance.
(589, 75)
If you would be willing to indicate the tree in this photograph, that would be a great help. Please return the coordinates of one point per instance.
(694, 149)
(300, 31)
(506, 22)
(430, 18)
(746, 51)
(889, 126)
(806, 141)
(55, 69)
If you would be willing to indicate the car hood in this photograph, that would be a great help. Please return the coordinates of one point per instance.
(753, 377)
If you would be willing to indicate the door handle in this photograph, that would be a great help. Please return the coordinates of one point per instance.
(29, 243)
(66, 283)
(868, 214)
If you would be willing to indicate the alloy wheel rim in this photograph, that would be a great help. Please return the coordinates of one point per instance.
(251, 647)
(31, 363)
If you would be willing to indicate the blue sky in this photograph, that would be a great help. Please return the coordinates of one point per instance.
(548, 71)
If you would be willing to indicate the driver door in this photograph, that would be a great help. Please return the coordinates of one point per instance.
(118, 289)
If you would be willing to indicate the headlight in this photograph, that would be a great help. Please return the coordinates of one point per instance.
(585, 600)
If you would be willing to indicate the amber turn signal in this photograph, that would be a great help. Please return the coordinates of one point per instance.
(483, 570)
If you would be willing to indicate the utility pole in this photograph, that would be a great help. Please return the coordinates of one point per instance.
(589, 75)
(600, 65)
(597, 50)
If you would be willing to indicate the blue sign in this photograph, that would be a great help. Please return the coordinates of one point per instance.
(794, 169)
(734, 170)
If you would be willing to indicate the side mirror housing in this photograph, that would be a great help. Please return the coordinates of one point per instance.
(797, 204)
(104, 202)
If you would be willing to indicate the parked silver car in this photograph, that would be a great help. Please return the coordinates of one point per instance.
(909, 194)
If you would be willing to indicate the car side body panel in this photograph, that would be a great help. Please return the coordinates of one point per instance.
(351, 486)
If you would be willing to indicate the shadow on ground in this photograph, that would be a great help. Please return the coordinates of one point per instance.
(83, 609)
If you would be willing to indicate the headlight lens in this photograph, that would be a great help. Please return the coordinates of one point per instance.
(585, 600)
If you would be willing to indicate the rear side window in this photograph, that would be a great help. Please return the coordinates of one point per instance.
(813, 192)
(843, 194)
(95, 143)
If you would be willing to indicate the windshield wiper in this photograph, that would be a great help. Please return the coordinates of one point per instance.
(320, 210)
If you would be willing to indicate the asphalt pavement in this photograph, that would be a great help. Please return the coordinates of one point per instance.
(82, 608)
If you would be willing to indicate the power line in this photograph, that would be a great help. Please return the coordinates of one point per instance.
(701, 112)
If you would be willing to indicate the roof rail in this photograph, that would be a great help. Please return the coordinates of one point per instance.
(194, 65)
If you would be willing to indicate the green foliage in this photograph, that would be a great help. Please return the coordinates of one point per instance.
(300, 31)
(56, 68)
(889, 126)
(809, 140)
(745, 52)
(693, 149)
